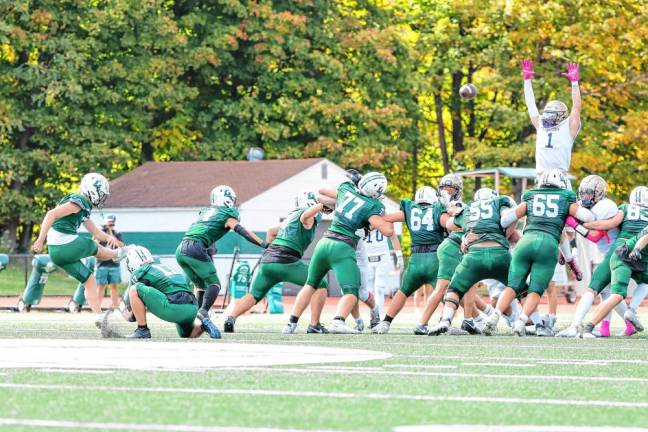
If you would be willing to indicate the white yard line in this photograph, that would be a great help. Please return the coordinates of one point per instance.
(514, 428)
(498, 364)
(335, 395)
(410, 366)
(76, 371)
(139, 426)
(532, 359)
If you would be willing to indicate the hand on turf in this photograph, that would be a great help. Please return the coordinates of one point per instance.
(635, 255)
(527, 69)
(38, 245)
(573, 72)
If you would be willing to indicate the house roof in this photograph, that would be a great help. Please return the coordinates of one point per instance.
(188, 184)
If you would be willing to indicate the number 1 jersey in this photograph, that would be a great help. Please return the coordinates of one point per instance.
(554, 147)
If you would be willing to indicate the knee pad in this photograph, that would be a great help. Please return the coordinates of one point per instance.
(451, 300)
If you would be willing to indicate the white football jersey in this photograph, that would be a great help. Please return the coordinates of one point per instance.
(554, 147)
(375, 244)
(605, 209)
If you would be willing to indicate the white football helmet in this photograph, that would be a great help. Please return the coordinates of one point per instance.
(373, 185)
(639, 196)
(96, 188)
(223, 196)
(306, 199)
(136, 257)
(554, 113)
(454, 183)
(426, 195)
(485, 194)
(553, 177)
(591, 190)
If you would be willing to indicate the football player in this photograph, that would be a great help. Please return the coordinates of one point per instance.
(193, 256)
(66, 248)
(356, 208)
(161, 291)
(556, 130)
(281, 261)
(486, 251)
(546, 208)
(425, 218)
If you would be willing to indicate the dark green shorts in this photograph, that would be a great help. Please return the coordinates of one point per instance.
(621, 275)
(449, 255)
(536, 254)
(338, 256)
(478, 264)
(421, 270)
(182, 315)
(68, 256)
(270, 274)
(200, 270)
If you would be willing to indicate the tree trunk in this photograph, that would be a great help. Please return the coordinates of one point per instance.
(443, 146)
(455, 111)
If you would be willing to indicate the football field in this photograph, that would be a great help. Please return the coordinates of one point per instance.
(56, 374)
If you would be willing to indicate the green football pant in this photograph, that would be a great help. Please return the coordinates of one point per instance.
(338, 256)
(449, 255)
(421, 269)
(201, 273)
(621, 275)
(536, 254)
(68, 256)
(602, 275)
(182, 315)
(270, 274)
(480, 263)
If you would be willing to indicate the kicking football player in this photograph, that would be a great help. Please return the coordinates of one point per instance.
(628, 221)
(281, 261)
(425, 218)
(192, 253)
(66, 248)
(449, 251)
(356, 207)
(628, 261)
(161, 291)
(556, 130)
(546, 208)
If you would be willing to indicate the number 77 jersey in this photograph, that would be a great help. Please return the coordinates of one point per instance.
(353, 210)
(547, 209)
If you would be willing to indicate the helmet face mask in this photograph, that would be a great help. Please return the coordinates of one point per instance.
(554, 113)
(373, 185)
(591, 190)
(96, 188)
(353, 175)
(223, 196)
(450, 188)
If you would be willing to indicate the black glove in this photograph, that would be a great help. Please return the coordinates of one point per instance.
(624, 253)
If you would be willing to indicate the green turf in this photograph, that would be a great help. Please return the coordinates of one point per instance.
(333, 412)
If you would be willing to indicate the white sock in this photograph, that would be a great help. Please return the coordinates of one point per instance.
(488, 309)
(536, 318)
(516, 308)
(620, 309)
(638, 296)
(379, 296)
(448, 313)
(565, 248)
(584, 306)
(523, 318)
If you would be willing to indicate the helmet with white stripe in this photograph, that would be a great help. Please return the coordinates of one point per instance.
(426, 195)
(373, 185)
(639, 196)
(136, 257)
(591, 190)
(96, 188)
(223, 196)
(552, 177)
(485, 194)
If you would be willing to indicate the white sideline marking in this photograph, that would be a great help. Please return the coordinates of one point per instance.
(76, 371)
(336, 395)
(536, 359)
(166, 356)
(410, 366)
(514, 428)
(363, 371)
(495, 364)
(139, 426)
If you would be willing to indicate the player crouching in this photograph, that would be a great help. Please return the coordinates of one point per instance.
(163, 292)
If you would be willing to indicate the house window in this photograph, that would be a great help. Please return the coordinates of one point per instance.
(324, 171)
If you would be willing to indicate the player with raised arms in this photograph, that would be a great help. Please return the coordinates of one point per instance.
(66, 247)
(536, 254)
(425, 218)
(355, 208)
(193, 252)
(556, 130)
(281, 261)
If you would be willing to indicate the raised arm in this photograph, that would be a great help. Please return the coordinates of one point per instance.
(49, 219)
(234, 225)
(573, 75)
(307, 218)
(378, 222)
(328, 192)
(529, 97)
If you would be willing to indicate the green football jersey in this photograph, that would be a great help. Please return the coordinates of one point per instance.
(547, 209)
(353, 210)
(483, 218)
(293, 234)
(635, 219)
(160, 277)
(423, 222)
(70, 224)
(210, 225)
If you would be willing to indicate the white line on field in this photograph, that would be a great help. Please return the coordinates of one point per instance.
(536, 359)
(514, 428)
(497, 364)
(362, 371)
(335, 395)
(410, 366)
(138, 426)
(76, 371)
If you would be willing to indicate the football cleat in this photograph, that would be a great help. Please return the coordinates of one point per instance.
(573, 265)
(519, 328)
(339, 327)
(628, 331)
(544, 331)
(440, 328)
(569, 332)
(360, 325)
(316, 329)
(421, 330)
(289, 328)
(586, 331)
(381, 328)
(631, 316)
(374, 317)
(490, 328)
(209, 327)
(470, 327)
(140, 333)
(228, 324)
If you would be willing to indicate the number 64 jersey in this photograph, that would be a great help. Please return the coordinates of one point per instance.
(547, 209)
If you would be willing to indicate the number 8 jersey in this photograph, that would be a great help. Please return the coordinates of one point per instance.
(547, 209)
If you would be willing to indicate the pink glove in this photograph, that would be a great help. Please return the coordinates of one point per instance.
(527, 69)
(596, 237)
(573, 72)
(571, 222)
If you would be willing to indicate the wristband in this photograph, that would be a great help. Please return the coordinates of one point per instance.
(580, 229)
(574, 83)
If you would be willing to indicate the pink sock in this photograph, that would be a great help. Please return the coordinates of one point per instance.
(630, 330)
(605, 328)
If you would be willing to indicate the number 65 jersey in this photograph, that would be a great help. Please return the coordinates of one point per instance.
(547, 209)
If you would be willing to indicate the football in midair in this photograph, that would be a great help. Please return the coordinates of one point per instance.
(468, 91)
